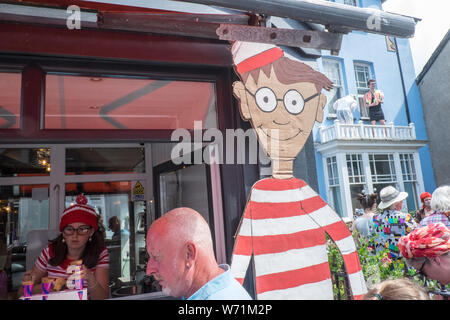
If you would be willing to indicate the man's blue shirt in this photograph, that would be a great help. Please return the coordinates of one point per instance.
(222, 287)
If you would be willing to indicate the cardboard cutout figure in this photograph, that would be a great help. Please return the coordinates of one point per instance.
(285, 220)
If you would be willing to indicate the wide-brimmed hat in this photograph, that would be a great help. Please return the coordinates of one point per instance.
(389, 196)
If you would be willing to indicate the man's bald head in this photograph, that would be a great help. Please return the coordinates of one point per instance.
(181, 225)
(181, 255)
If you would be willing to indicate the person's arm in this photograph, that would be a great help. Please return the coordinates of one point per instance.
(367, 105)
(98, 283)
(242, 250)
(381, 96)
(36, 276)
(333, 225)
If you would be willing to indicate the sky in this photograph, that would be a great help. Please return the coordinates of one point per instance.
(430, 31)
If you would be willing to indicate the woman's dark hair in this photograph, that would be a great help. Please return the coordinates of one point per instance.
(367, 200)
(90, 254)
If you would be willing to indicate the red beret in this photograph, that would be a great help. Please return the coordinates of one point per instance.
(80, 212)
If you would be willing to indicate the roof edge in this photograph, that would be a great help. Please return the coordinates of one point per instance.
(433, 57)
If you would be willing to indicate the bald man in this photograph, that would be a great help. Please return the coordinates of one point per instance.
(181, 258)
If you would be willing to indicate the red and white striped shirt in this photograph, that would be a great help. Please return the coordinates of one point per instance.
(42, 263)
(284, 227)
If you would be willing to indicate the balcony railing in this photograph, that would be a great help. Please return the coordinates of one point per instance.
(360, 131)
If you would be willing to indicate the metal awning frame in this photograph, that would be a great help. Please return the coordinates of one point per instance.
(228, 27)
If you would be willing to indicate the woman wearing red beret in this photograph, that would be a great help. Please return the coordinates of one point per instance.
(426, 207)
(80, 239)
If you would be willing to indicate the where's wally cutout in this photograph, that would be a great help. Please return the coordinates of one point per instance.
(284, 223)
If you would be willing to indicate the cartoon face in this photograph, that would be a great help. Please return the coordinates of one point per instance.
(281, 114)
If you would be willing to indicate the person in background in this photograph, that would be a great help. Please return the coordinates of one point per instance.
(396, 289)
(80, 239)
(425, 198)
(114, 226)
(363, 224)
(392, 223)
(373, 100)
(440, 207)
(427, 249)
(344, 108)
(181, 258)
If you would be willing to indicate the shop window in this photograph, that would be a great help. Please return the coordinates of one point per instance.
(383, 171)
(362, 75)
(185, 187)
(24, 210)
(409, 179)
(356, 177)
(10, 99)
(85, 102)
(104, 160)
(332, 69)
(333, 181)
(22, 162)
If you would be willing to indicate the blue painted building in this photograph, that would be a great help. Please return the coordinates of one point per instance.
(350, 158)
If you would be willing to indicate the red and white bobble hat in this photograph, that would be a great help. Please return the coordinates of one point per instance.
(248, 56)
(79, 212)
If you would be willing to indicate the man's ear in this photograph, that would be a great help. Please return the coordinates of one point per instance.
(436, 260)
(240, 94)
(320, 105)
(191, 252)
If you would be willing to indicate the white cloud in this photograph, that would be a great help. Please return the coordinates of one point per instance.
(430, 31)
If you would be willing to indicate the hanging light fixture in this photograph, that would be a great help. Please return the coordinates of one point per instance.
(43, 158)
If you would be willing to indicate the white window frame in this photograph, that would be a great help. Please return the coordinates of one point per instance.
(338, 84)
(345, 175)
(362, 88)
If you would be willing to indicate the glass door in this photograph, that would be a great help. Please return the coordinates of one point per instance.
(195, 186)
(121, 221)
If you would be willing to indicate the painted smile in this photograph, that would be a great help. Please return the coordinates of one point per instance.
(281, 124)
(289, 138)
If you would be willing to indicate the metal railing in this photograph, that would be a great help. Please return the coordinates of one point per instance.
(361, 131)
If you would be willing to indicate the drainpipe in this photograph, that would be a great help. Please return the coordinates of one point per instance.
(408, 117)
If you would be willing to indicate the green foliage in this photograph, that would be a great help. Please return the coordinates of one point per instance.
(376, 266)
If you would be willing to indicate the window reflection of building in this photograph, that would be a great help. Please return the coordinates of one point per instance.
(362, 74)
(332, 69)
(333, 180)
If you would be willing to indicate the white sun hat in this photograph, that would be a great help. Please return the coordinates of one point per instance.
(389, 195)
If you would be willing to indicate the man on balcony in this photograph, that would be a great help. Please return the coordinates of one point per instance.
(373, 100)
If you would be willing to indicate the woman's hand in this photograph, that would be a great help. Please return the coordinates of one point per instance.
(97, 282)
(29, 276)
(89, 276)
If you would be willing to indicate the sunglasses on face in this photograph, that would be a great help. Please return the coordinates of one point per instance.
(83, 230)
(421, 271)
